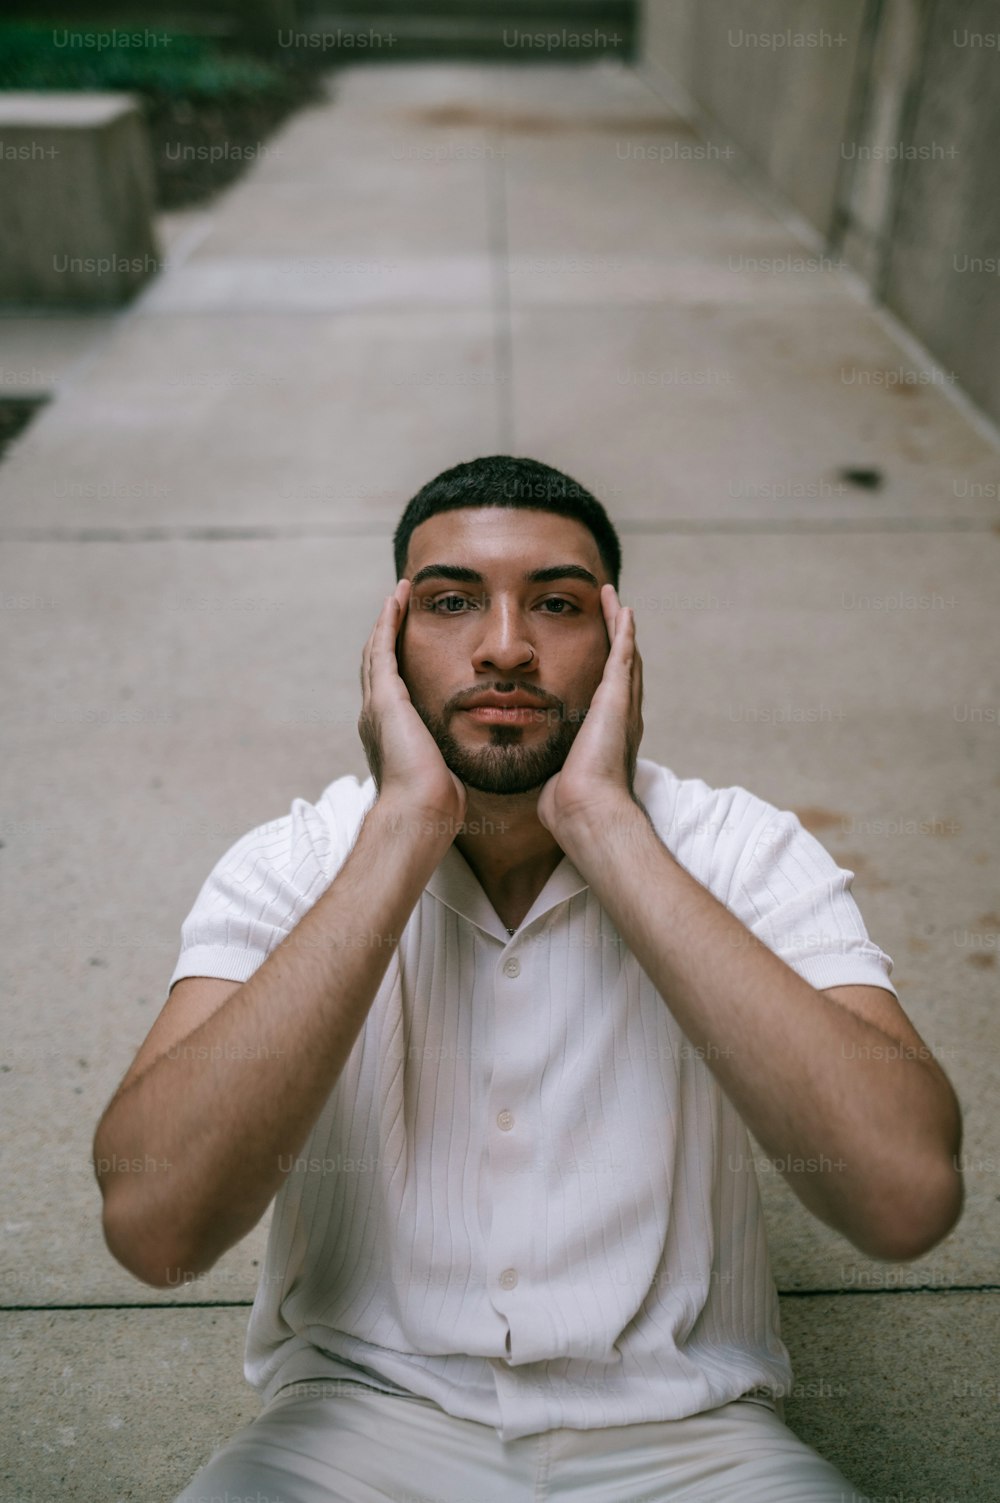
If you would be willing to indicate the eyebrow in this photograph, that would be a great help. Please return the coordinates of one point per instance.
(460, 574)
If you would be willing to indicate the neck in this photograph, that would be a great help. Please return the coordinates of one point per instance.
(506, 845)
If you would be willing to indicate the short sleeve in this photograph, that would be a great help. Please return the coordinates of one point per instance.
(790, 892)
(255, 895)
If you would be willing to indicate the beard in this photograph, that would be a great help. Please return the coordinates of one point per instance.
(506, 765)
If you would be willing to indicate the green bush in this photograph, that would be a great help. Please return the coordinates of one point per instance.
(179, 67)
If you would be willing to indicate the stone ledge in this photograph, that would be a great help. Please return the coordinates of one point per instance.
(76, 181)
(898, 1391)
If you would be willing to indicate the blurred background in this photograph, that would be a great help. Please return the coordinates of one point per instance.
(265, 269)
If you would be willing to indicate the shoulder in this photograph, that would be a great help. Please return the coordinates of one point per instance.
(771, 872)
(338, 812)
(267, 879)
(310, 840)
(710, 831)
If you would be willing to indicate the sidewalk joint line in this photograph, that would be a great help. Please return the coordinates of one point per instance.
(246, 1304)
(637, 527)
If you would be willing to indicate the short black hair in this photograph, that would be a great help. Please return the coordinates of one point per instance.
(500, 480)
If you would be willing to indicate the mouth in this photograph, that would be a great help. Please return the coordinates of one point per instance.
(506, 715)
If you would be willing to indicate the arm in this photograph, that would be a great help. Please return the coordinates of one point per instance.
(216, 1119)
(879, 1129)
(875, 1131)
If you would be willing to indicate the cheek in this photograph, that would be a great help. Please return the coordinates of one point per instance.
(420, 637)
(421, 656)
(587, 683)
(586, 656)
(419, 626)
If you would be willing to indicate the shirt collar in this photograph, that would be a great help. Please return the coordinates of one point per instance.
(455, 884)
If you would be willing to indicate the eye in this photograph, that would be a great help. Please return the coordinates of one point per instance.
(444, 599)
(447, 601)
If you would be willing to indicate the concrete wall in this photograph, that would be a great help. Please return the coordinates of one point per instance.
(942, 266)
(879, 122)
(755, 68)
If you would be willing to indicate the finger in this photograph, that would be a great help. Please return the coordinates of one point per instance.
(609, 605)
(637, 699)
(376, 648)
(364, 666)
(630, 665)
(373, 637)
(625, 633)
(371, 646)
(612, 612)
(384, 664)
(385, 642)
(402, 593)
(616, 682)
(639, 691)
(366, 658)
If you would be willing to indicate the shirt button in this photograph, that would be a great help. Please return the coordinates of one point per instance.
(512, 967)
(508, 1278)
(506, 1121)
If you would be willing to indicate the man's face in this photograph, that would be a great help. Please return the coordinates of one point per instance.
(464, 637)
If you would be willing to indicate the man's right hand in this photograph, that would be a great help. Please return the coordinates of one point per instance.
(404, 758)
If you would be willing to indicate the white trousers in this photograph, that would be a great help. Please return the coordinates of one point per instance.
(342, 1442)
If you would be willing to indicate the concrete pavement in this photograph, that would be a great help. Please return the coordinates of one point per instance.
(441, 262)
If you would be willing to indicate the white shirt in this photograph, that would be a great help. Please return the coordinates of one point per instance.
(527, 1197)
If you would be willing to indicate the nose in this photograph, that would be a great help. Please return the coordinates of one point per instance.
(503, 643)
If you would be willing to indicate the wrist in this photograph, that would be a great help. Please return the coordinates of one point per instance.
(601, 820)
(404, 817)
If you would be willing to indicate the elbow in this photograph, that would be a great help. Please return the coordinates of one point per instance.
(132, 1222)
(926, 1223)
(145, 1257)
(154, 1272)
(937, 1194)
(145, 1270)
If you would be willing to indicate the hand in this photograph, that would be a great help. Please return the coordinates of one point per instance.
(403, 756)
(600, 767)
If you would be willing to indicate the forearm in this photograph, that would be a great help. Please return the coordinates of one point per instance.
(857, 1126)
(218, 1115)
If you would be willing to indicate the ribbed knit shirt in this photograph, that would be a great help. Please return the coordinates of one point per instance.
(527, 1197)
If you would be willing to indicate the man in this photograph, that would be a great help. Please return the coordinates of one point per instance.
(492, 1027)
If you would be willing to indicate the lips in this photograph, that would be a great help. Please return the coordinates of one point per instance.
(504, 702)
(496, 715)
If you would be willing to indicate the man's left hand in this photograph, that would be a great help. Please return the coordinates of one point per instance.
(598, 772)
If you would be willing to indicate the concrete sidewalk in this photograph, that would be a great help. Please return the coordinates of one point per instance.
(438, 263)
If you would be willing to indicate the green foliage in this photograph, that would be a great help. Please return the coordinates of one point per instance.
(176, 66)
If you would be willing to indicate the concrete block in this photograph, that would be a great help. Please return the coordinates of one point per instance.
(76, 182)
(39, 352)
(110, 1406)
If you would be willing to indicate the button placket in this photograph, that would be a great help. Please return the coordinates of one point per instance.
(512, 1135)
